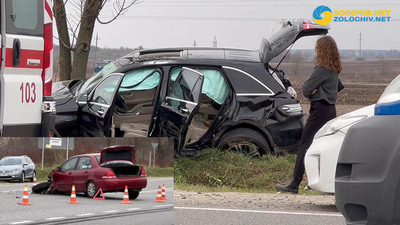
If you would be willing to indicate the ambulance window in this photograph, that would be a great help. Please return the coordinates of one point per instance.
(25, 17)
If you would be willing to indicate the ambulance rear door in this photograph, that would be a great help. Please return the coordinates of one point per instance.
(22, 40)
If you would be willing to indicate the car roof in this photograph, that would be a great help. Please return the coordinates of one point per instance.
(234, 54)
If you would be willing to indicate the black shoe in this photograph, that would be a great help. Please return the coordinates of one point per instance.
(291, 187)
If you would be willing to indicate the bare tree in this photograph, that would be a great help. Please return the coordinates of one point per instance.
(75, 31)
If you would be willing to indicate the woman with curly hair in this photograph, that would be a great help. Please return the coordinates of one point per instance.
(321, 89)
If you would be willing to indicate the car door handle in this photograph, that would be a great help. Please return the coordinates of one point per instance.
(184, 110)
(70, 173)
(100, 112)
(16, 52)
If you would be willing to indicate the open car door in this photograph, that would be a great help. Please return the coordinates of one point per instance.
(179, 107)
(94, 109)
(287, 35)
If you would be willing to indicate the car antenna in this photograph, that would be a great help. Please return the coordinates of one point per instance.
(276, 68)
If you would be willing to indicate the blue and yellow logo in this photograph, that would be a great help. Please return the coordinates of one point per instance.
(326, 12)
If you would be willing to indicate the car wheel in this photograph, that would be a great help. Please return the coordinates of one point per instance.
(245, 140)
(22, 179)
(133, 195)
(41, 188)
(33, 176)
(91, 189)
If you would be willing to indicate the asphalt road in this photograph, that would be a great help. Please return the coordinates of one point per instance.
(55, 209)
(215, 216)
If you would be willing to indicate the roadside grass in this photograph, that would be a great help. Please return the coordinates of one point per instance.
(216, 170)
(160, 172)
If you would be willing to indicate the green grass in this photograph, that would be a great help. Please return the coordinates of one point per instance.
(160, 172)
(216, 170)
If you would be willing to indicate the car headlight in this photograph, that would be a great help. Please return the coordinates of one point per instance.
(338, 124)
(15, 170)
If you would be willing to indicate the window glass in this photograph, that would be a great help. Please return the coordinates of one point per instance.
(214, 86)
(104, 92)
(184, 88)
(69, 165)
(26, 161)
(140, 80)
(84, 163)
(10, 161)
(25, 17)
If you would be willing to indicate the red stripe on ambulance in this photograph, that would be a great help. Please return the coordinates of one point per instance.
(25, 55)
(48, 10)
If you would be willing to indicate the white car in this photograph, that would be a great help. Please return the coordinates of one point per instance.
(321, 158)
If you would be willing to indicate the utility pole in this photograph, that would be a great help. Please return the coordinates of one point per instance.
(359, 53)
(194, 43)
(95, 52)
(215, 41)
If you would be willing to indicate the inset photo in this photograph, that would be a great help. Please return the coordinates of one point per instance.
(86, 180)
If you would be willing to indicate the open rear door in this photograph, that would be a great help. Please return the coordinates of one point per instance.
(179, 107)
(22, 32)
(287, 35)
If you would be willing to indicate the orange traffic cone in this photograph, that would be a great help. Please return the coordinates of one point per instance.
(159, 198)
(126, 196)
(73, 196)
(25, 200)
(164, 196)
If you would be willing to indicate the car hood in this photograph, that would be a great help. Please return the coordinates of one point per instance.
(117, 153)
(11, 167)
(290, 32)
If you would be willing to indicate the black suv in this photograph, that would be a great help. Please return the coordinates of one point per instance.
(202, 97)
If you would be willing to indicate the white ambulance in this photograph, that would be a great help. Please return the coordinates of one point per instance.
(26, 108)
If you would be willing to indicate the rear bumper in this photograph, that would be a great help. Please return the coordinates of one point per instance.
(118, 184)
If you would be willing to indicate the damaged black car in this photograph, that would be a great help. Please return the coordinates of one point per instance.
(201, 97)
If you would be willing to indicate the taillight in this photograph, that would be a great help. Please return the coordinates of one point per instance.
(307, 25)
(109, 175)
(143, 172)
(47, 72)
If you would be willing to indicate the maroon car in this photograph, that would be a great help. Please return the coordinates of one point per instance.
(111, 171)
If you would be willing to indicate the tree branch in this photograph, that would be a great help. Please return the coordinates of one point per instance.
(119, 8)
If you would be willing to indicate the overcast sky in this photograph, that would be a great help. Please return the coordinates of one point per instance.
(240, 23)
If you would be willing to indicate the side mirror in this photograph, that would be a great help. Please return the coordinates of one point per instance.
(58, 169)
(82, 100)
(25, 164)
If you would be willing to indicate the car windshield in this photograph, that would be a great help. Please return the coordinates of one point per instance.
(10, 161)
(109, 68)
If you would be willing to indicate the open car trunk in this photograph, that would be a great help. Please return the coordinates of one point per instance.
(121, 170)
(287, 35)
(121, 160)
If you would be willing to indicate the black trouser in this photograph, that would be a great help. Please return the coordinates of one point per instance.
(320, 113)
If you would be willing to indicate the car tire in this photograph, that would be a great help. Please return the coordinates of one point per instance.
(245, 140)
(133, 195)
(41, 188)
(22, 178)
(91, 189)
(33, 176)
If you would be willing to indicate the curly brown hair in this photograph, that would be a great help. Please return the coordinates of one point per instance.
(328, 54)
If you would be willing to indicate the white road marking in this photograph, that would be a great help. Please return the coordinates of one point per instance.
(85, 214)
(22, 222)
(56, 218)
(12, 191)
(131, 209)
(260, 211)
(164, 205)
(111, 211)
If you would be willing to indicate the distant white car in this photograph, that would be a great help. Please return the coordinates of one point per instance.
(321, 158)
